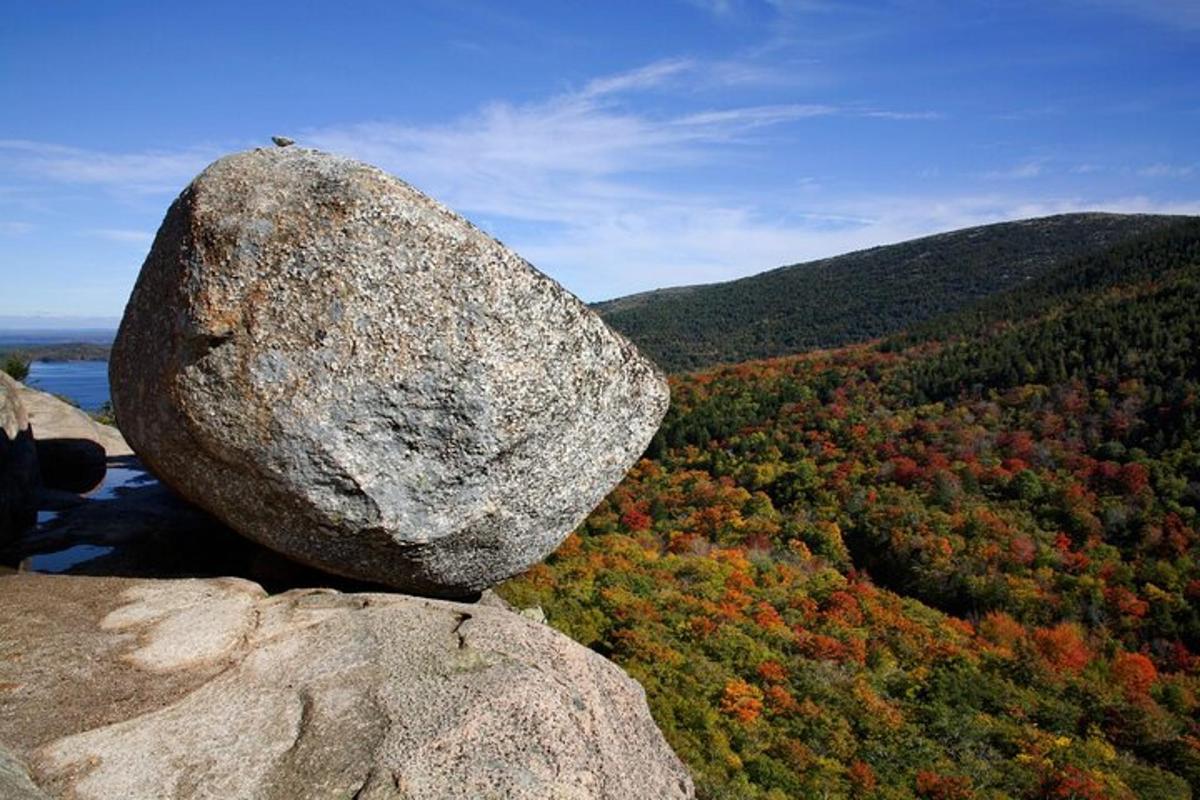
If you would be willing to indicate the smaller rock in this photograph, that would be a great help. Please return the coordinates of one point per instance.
(18, 463)
(534, 613)
(282, 141)
(72, 448)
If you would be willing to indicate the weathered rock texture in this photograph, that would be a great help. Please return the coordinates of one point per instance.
(212, 689)
(15, 783)
(18, 463)
(346, 371)
(73, 449)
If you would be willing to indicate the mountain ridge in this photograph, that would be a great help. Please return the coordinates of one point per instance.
(860, 295)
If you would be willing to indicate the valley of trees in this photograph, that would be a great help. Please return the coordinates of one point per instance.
(963, 562)
(858, 296)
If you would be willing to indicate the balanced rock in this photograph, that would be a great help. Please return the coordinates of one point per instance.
(213, 689)
(18, 463)
(341, 368)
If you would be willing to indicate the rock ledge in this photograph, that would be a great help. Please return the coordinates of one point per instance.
(213, 689)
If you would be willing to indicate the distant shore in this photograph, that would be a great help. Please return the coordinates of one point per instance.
(57, 345)
(67, 351)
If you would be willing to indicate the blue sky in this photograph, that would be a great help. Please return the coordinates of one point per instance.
(619, 146)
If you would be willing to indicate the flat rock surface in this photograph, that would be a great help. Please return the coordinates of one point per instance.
(344, 370)
(214, 689)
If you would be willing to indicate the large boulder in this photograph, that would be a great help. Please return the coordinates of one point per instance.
(343, 369)
(213, 689)
(18, 463)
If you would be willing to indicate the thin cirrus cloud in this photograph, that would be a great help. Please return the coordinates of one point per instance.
(147, 172)
(1180, 14)
(716, 7)
(122, 236)
(651, 75)
(11, 227)
(1022, 171)
(600, 190)
(708, 243)
(586, 133)
(582, 182)
(1167, 171)
(903, 115)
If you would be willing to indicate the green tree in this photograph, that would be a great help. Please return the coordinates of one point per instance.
(16, 366)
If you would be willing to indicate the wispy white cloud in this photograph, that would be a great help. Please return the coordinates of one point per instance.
(707, 243)
(736, 73)
(649, 76)
(147, 172)
(53, 321)
(569, 159)
(1180, 14)
(1167, 171)
(1022, 171)
(725, 8)
(580, 183)
(601, 193)
(753, 116)
(11, 227)
(810, 6)
(122, 235)
(720, 8)
(903, 115)
(1022, 114)
(588, 184)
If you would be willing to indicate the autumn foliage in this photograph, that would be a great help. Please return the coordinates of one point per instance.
(835, 577)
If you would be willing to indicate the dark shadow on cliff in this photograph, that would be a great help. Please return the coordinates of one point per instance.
(133, 526)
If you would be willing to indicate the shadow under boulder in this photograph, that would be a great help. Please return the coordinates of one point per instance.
(134, 527)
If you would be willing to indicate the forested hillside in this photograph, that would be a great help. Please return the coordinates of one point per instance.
(961, 563)
(859, 296)
(67, 351)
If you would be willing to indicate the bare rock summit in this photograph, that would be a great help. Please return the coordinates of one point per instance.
(204, 689)
(346, 371)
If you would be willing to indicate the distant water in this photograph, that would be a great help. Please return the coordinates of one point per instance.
(84, 382)
(63, 559)
(21, 337)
